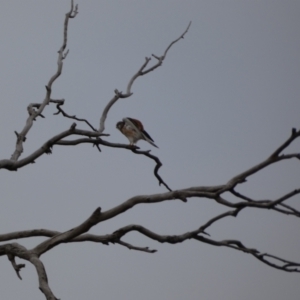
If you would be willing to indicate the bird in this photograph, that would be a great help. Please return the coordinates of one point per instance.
(133, 129)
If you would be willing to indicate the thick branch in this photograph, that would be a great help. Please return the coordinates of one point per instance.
(68, 235)
(16, 250)
(43, 279)
(46, 148)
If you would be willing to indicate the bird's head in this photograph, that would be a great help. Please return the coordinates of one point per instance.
(120, 125)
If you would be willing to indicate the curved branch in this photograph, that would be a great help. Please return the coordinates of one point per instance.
(16, 250)
(288, 209)
(131, 247)
(46, 148)
(61, 55)
(75, 235)
(273, 158)
(68, 235)
(43, 279)
(282, 264)
(61, 111)
(162, 58)
(156, 168)
(21, 137)
(105, 112)
(294, 134)
(17, 267)
(99, 141)
(139, 73)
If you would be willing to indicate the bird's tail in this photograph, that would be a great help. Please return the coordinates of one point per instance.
(150, 142)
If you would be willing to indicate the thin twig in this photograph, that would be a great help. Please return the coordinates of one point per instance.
(60, 110)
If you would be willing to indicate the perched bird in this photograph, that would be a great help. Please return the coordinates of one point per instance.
(134, 130)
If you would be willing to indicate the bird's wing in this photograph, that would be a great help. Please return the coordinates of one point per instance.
(138, 124)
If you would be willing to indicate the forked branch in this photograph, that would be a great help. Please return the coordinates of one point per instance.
(21, 137)
(215, 194)
(142, 71)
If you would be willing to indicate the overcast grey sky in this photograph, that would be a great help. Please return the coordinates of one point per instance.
(224, 99)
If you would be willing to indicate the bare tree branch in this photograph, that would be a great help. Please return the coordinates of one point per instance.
(270, 160)
(217, 194)
(68, 235)
(17, 267)
(139, 73)
(43, 279)
(61, 111)
(212, 193)
(16, 250)
(158, 165)
(40, 107)
(45, 148)
(13, 164)
(294, 135)
(162, 58)
(288, 266)
(288, 211)
(131, 247)
(134, 149)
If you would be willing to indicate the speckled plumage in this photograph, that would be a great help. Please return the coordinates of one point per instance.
(133, 129)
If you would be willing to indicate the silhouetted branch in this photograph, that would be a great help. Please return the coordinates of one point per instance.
(294, 135)
(68, 235)
(158, 165)
(217, 194)
(46, 148)
(17, 267)
(162, 58)
(131, 247)
(279, 263)
(273, 158)
(40, 107)
(43, 279)
(61, 111)
(16, 250)
(288, 211)
(134, 149)
(139, 73)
